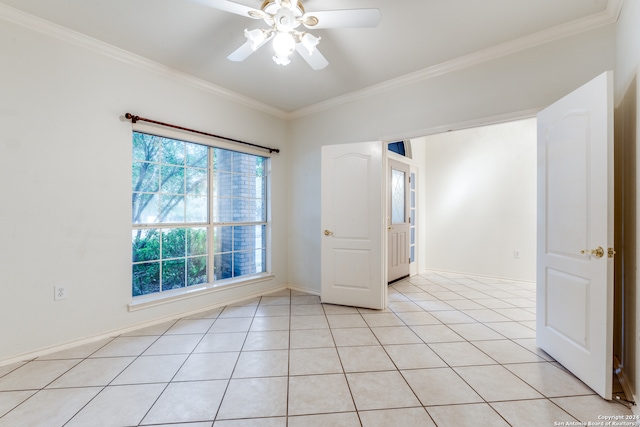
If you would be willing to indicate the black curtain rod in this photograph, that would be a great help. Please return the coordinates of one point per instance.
(135, 119)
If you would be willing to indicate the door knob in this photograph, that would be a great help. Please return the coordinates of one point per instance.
(328, 233)
(598, 252)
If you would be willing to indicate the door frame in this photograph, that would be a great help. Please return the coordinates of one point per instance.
(388, 202)
(413, 169)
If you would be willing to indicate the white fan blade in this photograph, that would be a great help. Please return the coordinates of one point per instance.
(233, 7)
(315, 60)
(342, 18)
(243, 52)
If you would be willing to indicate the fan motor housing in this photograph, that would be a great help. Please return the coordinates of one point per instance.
(298, 10)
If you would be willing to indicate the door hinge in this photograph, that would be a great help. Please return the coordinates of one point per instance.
(611, 252)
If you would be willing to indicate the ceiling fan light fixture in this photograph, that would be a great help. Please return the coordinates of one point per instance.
(285, 3)
(284, 44)
(281, 60)
(270, 7)
(309, 41)
(310, 21)
(284, 20)
(256, 37)
(283, 17)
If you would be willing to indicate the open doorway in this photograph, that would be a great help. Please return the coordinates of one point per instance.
(478, 210)
(401, 207)
(477, 200)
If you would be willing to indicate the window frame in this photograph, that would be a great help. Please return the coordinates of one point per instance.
(211, 285)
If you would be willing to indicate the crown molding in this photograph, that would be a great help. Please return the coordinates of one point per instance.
(608, 16)
(32, 22)
(614, 7)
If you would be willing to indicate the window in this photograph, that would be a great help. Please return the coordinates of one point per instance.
(199, 214)
(402, 148)
(397, 147)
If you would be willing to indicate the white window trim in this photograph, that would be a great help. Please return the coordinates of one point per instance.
(173, 295)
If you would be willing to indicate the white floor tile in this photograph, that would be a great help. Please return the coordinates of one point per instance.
(381, 390)
(267, 397)
(256, 364)
(365, 359)
(221, 342)
(317, 394)
(414, 356)
(314, 361)
(440, 386)
(187, 402)
(49, 408)
(532, 413)
(118, 406)
(477, 414)
(495, 383)
(451, 350)
(592, 408)
(11, 399)
(35, 375)
(345, 419)
(207, 366)
(409, 417)
(126, 346)
(550, 380)
(93, 372)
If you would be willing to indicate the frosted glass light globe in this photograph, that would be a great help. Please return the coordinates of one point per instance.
(284, 44)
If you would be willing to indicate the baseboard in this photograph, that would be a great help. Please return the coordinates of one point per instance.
(303, 289)
(110, 334)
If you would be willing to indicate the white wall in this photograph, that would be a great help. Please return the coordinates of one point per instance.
(480, 197)
(65, 181)
(522, 81)
(628, 181)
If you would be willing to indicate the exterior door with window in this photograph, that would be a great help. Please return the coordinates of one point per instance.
(574, 318)
(353, 267)
(398, 221)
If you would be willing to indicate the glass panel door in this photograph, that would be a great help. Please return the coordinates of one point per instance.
(397, 197)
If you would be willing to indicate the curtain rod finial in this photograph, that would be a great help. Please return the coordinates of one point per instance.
(131, 117)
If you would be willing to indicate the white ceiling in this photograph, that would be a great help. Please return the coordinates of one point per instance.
(413, 36)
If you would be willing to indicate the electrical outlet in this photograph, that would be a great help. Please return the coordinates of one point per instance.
(59, 292)
(516, 254)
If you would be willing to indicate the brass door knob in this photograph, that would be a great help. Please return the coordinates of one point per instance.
(328, 233)
(598, 252)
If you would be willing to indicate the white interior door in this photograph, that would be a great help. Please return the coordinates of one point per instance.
(353, 270)
(398, 221)
(575, 231)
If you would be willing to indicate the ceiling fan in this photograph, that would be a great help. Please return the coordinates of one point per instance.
(283, 18)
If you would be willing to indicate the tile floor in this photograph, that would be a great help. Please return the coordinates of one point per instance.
(450, 350)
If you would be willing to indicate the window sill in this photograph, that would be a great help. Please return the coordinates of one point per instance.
(147, 301)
